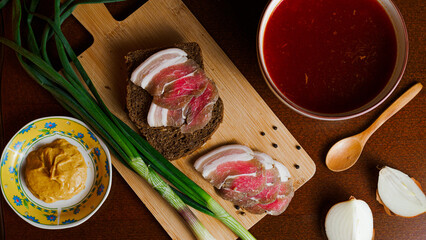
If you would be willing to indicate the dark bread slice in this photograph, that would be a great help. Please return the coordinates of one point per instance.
(169, 141)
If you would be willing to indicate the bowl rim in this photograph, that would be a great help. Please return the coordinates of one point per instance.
(338, 116)
(95, 209)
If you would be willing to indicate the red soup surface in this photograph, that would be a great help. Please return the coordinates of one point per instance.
(330, 56)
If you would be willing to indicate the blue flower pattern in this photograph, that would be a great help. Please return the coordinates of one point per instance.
(12, 170)
(50, 125)
(107, 166)
(77, 210)
(68, 221)
(79, 135)
(5, 159)
(92, 136)
(17, 200)
(100, 189)
(97, 151)
(51, 218)
(31, 218)
(26, 129)
(18, 145)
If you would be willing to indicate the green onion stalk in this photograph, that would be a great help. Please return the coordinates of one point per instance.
(69, 89)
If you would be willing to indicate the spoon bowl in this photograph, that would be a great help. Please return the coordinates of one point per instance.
(346, 152)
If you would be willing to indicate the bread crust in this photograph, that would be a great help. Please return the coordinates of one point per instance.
(169, 141)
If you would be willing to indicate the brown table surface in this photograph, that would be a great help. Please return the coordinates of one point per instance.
(399, 143)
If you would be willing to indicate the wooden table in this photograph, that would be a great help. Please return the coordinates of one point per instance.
(400, 143)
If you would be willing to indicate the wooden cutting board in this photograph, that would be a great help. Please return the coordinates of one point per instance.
(164, 22)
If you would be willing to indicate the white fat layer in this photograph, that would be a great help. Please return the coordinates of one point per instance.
(184, 112)
(211, 167)
(164, 112)
(265, 159)
(151, 115)
(147, 79)
(234, 190)
(284, 173)
(269, 163)
(200, 162)
(157, 116)
(352, 220)
(175, 56)
(235, 176)
(400, 193)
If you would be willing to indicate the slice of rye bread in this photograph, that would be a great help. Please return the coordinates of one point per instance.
(169, 141)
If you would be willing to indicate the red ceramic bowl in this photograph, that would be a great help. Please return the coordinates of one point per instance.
(395, 75)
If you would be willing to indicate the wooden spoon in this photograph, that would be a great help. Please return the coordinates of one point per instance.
(344, 154)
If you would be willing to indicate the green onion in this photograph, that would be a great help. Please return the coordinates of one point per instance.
(3, 3)
(128, 146)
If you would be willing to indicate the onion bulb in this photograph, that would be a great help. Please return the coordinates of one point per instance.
(350, 220)
(400, 194)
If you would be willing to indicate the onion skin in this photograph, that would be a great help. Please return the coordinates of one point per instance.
(399, 194)
(387, 210)
(351, 220)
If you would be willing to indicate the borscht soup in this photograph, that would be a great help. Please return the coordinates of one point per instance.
(329, 56)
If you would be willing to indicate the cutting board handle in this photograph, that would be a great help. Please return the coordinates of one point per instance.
(95, 18)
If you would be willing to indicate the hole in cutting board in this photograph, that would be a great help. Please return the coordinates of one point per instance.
(121, 10)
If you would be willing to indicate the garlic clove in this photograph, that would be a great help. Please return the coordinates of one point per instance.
(399, 193)
(352, 220)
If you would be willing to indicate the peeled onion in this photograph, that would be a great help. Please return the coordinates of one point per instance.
(349, 220)
(399, 193)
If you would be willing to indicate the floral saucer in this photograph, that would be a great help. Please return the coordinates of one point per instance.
(64, 213)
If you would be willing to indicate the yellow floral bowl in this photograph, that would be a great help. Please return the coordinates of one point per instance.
(64, 213)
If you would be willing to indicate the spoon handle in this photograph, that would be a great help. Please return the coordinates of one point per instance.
(392, 109)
